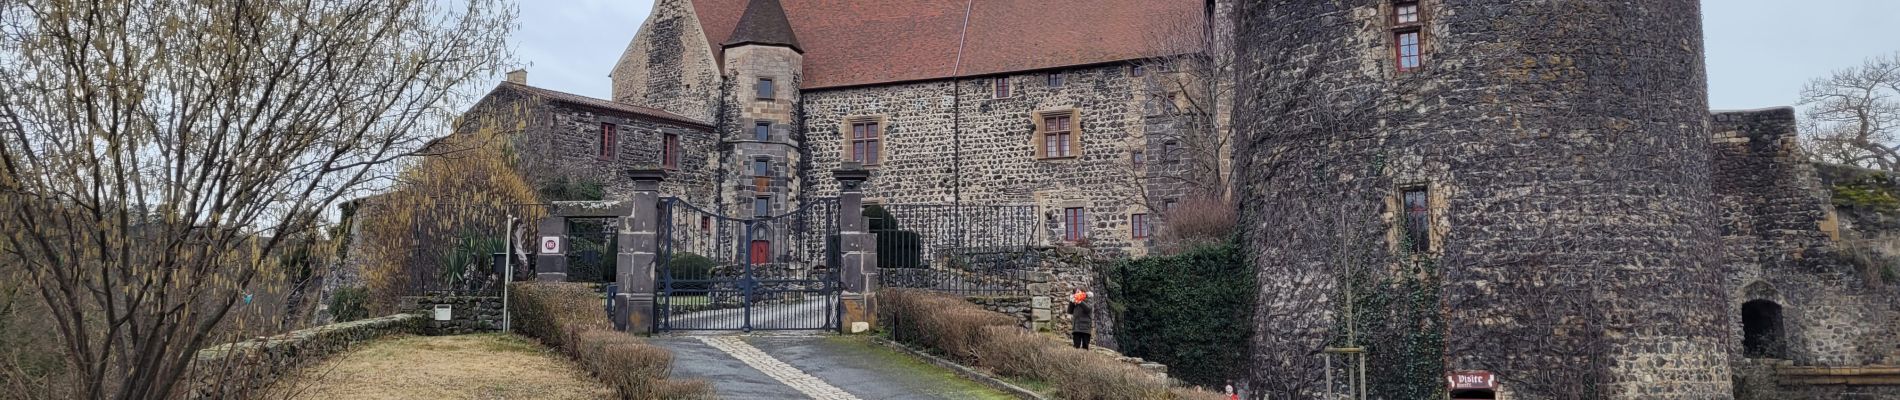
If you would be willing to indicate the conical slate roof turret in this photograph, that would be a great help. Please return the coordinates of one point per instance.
(764, 23)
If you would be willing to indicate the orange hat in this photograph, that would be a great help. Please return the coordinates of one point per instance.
(1079, 296)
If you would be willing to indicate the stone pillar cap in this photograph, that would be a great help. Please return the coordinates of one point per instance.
(647, 174)
(851, 171)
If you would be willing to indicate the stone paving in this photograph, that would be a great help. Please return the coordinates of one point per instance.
(784, 373)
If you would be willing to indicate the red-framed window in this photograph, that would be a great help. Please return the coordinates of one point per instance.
(1138, 224)
(1074, 224)
(1405, 12)
(1002, 86)
(705, 223)
(865, 138)
(1418, 219)
(1057, 137)
(1407, 49)
(670, 151)
(609, 139)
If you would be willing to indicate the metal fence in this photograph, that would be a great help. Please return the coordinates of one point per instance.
(762, 273)
(956, 248)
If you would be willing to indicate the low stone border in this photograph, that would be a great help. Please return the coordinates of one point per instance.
(235, 369)
(966, 372)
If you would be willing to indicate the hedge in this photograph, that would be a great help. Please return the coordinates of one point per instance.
(568, 317)
(1190, 311)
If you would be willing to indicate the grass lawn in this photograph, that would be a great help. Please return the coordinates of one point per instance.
(483, 366)
(699, 300)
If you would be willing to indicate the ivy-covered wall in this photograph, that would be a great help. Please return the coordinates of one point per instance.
(1188, 311)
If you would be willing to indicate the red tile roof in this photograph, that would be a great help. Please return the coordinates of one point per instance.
(861, 42)
(575, 99)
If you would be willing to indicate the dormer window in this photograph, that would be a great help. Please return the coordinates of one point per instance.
(765, 89)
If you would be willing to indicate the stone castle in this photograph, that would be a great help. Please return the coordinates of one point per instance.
(1547, 177)
(1582, 224)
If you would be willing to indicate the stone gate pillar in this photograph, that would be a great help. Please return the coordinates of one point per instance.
(635, 263)
(550, 265)
(858, 248)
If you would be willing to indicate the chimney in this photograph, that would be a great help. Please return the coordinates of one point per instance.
(519, 76)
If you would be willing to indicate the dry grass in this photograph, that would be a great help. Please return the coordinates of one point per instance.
(487, 366)
(968, 333)
(1197, 220)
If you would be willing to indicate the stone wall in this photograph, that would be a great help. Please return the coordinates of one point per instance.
(242, 368)
(945, 140)
(742, 109)
(669, 65)
(560, 139)
(467, 314)
(1567, 176)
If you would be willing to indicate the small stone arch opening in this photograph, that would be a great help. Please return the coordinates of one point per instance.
(1762, 333)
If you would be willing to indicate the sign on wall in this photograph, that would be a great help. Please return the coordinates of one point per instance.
(550, 245)
(1463, 380)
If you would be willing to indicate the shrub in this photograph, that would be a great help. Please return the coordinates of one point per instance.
(895, 248)
(1198, 220)
(349, 304)
(969, 334)
(1190, 311)
(569, 317)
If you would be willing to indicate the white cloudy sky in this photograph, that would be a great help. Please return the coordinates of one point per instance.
(1760, 51)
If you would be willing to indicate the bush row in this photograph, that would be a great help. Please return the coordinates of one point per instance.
(568, 317)
(971, 335)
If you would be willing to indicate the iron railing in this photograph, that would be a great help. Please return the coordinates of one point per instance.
(957, 249)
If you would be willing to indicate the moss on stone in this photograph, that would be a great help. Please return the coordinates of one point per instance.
(1867, 192)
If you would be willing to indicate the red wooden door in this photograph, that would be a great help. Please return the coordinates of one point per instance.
(761, 251)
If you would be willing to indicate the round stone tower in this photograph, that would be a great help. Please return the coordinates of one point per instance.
(1516, 187)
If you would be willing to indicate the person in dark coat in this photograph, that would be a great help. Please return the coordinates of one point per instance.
(1080, 319)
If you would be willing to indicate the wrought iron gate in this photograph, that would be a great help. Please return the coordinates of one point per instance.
(762, 273)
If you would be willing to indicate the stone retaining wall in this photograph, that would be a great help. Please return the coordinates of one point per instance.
(467, 314)
(240, 369)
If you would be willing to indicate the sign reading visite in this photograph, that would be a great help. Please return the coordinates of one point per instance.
(550, 245)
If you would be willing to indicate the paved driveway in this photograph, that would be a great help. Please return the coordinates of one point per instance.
(815, 367)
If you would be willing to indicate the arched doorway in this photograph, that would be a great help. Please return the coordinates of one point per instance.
(1762, 334)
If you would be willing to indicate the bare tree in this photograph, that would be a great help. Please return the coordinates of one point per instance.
(156, 155)
(1853, 115)
(1188, 96)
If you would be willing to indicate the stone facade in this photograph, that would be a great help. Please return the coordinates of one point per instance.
(954, 141)
(669, 65)
(1565, 174)
(560, 137)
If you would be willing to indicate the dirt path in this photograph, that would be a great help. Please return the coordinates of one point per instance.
(486, 366)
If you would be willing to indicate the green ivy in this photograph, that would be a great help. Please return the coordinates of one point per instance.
(348, 304)
(1190, 311)
(1397, 321)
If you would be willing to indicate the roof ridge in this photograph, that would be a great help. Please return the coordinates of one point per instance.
(590, 101)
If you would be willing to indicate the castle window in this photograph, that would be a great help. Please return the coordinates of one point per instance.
(765, 89)
(1059, 135)
(1055, 79)
(864, 142)
(1002, 86)
(1137, 70)
(1139, 158)
(762, 206)
(1168, 205)
(1418, 219)
(1171, 152)
(1408, 50)
(705, 223)
(1405, 13)
(1074, 224)
(670, 151)
(608, 140)
(762, 131)
(761, 174)
(1138, 224)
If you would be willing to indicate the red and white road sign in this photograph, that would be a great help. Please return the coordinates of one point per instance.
(550, 245)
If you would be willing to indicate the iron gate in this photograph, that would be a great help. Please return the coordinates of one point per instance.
(762, 273)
